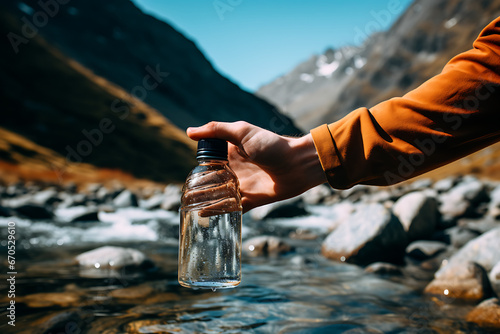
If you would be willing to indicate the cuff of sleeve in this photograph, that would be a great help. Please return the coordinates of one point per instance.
(328, 155)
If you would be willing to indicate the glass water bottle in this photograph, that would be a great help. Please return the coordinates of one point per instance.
(210, 228)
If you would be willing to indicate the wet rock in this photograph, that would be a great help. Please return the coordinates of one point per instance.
(383, 268)
(472, 284)
(417, 213)
(455, 236)
(50, 299)
(371, 234)
(422, 250)
(300, 261)
(172, 198)
(445, 185)
(125, 199)
(316, 195)
(355, 193)
(486, 314)
(46, 197)
(152, 203)
(112, 257)
(479, 226)
(78, 214)
(484, 250)
(462, 198)
(421, 184)
(133, 292)
(265, 245)
(284, 209)
(73, 200)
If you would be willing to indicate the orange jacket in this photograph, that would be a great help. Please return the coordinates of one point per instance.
(449, 116)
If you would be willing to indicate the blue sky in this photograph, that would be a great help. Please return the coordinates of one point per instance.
(254, 41)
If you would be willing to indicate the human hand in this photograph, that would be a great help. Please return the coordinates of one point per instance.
(269, 167)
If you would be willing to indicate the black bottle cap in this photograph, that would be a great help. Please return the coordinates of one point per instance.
(212, 148)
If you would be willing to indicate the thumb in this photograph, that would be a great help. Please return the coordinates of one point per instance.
(231, 132)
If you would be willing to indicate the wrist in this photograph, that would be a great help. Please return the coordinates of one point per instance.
(308, 163)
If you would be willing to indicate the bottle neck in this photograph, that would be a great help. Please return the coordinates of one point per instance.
(211, 161)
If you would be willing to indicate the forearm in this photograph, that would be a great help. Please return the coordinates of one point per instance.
(306, 163)
(448, 117)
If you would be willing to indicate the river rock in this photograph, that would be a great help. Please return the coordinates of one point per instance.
(371, 234)
(383, 268)
(445, 184)
(421, 184)
(495, 275)
(78, 214)
(479, 226)
(112, 257)
(417, 213)
(456, 236)
(486, 314)
(316, 195)
(265, 245)
(172, 198)
(152, 203)
(125, 199)
(472, 284)
(425, 249)
(484, 250)
(284, 209)
(460, 200)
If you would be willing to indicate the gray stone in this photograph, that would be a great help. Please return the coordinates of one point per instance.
(371, 234)
(265, 245)
(460, 200)
(417, 213)
(46, 197)
(172, 199)
(479, 226)
(486, 314)
(125, 199)
(293, 207)
(424, 249)
(316, 195)
(112, 257)
(456, 236)
(445, 185)
(495, 274)
(470, 284)
(421, 184)
(152, 203)
(484, 250)
(383, 268)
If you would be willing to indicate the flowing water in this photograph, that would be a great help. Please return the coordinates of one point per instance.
(299, 292)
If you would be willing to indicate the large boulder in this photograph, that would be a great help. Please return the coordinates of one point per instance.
(371, 234)
(484, 250)
(486, 314)
(417, 213)
(471, 285)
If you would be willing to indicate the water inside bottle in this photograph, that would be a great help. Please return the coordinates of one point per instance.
(210, 250)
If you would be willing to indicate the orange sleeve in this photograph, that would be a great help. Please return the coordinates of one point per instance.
(448, 117)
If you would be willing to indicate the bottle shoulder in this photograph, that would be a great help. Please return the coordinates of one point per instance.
(213, 186)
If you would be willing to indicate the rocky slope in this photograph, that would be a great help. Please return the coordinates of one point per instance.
(117, 41)
(58, 124)
(326, 87)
